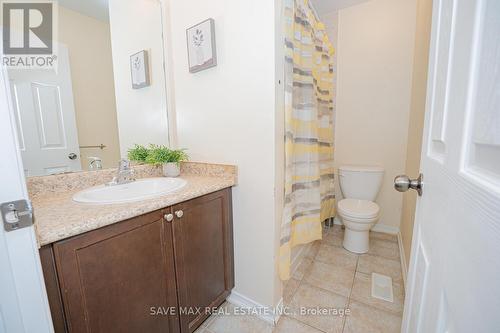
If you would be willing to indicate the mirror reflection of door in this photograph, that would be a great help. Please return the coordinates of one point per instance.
(86, 115)
(47, 134)
(67, 119)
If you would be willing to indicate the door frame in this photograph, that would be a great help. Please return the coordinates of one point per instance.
(416, 233)
(24, 304)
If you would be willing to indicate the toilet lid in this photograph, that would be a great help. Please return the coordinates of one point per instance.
(362, 209)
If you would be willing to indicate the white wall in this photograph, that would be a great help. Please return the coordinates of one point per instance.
(226, 114)
(142, 116)
(375, 60)
(327, 6)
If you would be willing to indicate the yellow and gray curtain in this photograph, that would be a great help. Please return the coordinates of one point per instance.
(309, 114)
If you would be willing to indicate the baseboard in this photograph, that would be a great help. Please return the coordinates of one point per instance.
(263, 312)
(404, 267)
(386, 229)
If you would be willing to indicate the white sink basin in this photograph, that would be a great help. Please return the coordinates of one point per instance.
(141, 189)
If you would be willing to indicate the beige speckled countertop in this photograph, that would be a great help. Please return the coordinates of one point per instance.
(58, 217)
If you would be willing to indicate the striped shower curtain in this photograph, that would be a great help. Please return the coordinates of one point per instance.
(309, 176)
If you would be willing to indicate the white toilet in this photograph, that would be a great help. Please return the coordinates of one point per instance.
(359, 212)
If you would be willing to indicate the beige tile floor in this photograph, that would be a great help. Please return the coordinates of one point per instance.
(331, 277)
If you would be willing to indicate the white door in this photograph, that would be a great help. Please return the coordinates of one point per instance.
(454, 276)
(45, 114)
(23, 300)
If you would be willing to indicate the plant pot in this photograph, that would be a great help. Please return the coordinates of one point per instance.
(171, 169)
(200, 56)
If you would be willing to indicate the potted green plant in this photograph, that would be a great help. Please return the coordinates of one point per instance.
(172, 168)
(168, 158)
(138, 154)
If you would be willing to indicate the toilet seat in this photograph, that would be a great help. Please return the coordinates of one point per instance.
(359, 210)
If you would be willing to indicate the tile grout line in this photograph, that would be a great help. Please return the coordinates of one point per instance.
(348, 299)
(322, 289)
(326, 290)
(352, 284)
(350, 292)
(302, 282)
(313, 259)
(368, 275)
(306, 324)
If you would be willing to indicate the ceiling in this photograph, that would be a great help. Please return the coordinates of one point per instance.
(327, 6)
(94, 8)
(99, 8)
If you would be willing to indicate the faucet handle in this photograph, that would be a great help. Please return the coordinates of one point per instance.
(124, 164)
(95, 162)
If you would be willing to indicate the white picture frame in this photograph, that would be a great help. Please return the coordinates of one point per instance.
(139, 69)
(201, 46)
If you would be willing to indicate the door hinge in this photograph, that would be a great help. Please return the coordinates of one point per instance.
(16, 214)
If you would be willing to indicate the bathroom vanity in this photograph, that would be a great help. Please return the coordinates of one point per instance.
(136, 256)
(159, 271)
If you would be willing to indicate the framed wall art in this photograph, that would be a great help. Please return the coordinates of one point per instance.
(139, 68)
(201, 46)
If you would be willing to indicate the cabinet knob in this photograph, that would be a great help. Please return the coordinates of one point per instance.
(169, 217)
(179, 213)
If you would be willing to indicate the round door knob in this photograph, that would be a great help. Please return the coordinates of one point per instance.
(72, 156)
(179, 213)
(169, 217)
(403, 183)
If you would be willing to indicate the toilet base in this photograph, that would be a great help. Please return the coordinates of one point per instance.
(356, 241)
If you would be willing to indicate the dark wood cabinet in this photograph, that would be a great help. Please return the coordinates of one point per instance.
(203, 256)
(53, 289)
(144, 274)
(110, 277)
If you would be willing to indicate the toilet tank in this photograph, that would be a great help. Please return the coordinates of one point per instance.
(360, 181)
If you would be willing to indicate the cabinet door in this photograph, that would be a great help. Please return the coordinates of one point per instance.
(113, 278)
(203, 247)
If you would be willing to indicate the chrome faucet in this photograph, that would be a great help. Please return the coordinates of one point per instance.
(124, 174)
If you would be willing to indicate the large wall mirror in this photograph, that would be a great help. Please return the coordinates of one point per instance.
(87, 114)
